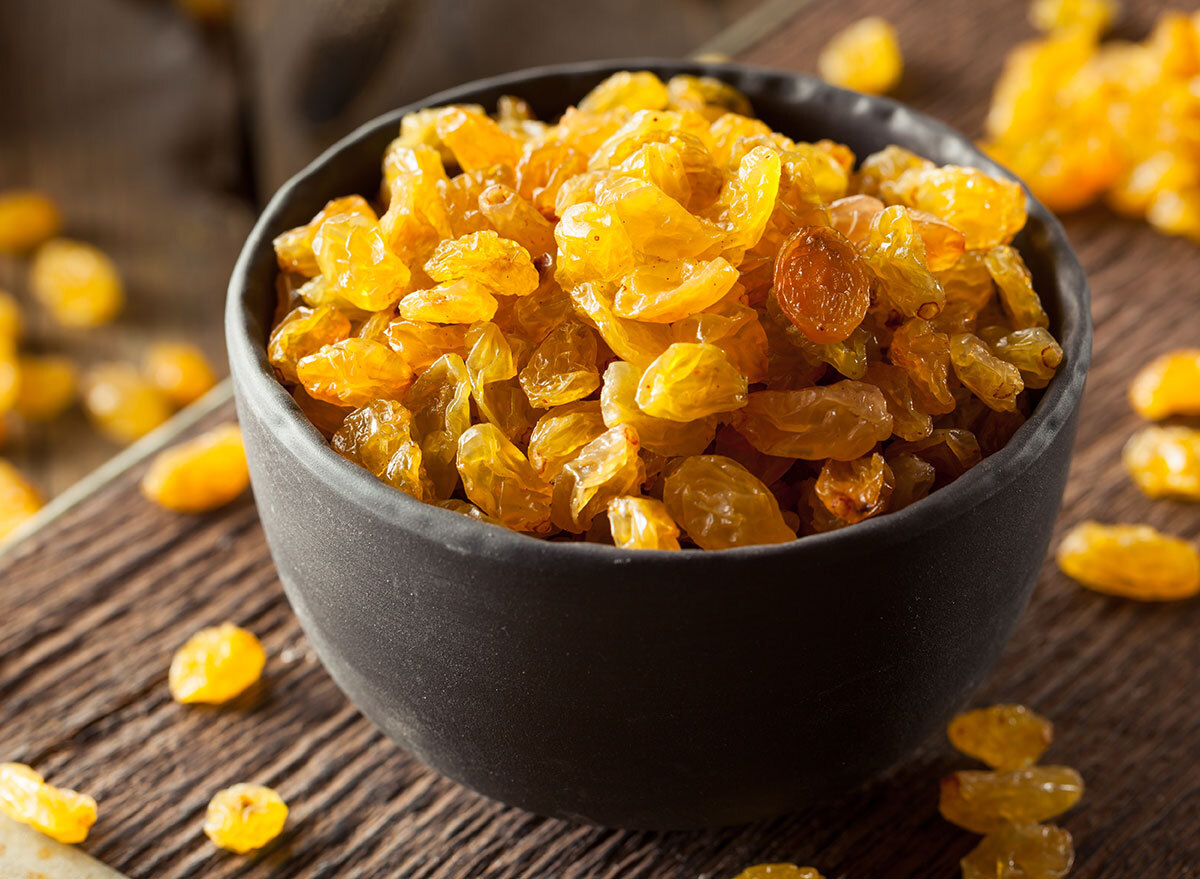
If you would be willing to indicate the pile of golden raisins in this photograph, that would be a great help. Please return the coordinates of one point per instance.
(1010, 803)
(1077, 118)
(1138, 561)
(79, 287)
(658, 322)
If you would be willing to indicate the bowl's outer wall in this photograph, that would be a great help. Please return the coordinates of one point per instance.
(649, 690)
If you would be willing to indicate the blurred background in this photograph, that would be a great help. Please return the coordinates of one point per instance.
(158, 127)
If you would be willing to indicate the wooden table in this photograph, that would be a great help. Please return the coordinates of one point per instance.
(96, 598)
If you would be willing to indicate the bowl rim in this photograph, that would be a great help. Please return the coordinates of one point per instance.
(272, 404)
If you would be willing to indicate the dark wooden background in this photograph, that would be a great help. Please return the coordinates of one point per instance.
(94, 602)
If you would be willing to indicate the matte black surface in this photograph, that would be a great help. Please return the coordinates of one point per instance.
(653, 689)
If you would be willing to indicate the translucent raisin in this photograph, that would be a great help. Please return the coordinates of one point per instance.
(200, 474)
(1002, 736)
(864, 57)
(77, 283)
(822, 284)
(1165, 461)
(244, 817)
(216, 664)
(986, 801)
(1168, 385)
(690, 381)
(61, 814)
(720, 504)
(180, 371)
(642, 523)
(27, 218)
(1133, 561)
(842, 421)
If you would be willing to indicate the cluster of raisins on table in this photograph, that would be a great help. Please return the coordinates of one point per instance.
(79, 287)
(1138, 561)
(214, 666)
(1079, 119)
(657, 322)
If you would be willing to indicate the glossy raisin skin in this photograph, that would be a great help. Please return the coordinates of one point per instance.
(986, 801)
(244, 817)
(1002, 736)
(1133, 561)
(822, 284)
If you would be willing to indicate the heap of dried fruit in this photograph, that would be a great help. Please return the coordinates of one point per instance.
(1008, 804)
(1077, 119)
(61, 814)
(656, 322)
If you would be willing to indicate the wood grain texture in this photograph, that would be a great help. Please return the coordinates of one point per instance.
(94, 604)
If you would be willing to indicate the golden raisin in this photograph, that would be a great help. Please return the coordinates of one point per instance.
(122, 404)
(19, 499)
(244, 817)
(1002, 736)
(1165, 461)
(864, 57)
(77, 283)
(378, 437)
(46, 386)
(353, 372)
(690, 381)
(499, 479)
(1021, 851)
(720, 504)
(180, 371)
(605, 468)
(59, 813)
(1168, 385)
(642, 523)
(216, 664)
(1134, 561)
(201, 474)
(985, 801)
(27, 218)
(855, 490)
(779, 871)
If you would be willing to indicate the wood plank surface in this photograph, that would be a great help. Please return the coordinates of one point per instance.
(95, 601)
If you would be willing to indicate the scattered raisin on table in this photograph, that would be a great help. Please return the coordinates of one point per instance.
(1002, 736)
(1133, 561)
(1021, 851)
(63, 815)
(244, 817)
(216, 664)
(201, 474)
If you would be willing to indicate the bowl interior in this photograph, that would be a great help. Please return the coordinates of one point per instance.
(802, 107)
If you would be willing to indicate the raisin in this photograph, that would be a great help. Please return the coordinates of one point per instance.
(61, 814)
(180, 371)
(842, 421)
(201, 474)
(561, 433)
(378, 437)
(353, 372)
(122, 404)
(609, 466)
(690, 381)
(27, 218)
(1002, 736)
(1165, 461)
(302, 332)
(864, 57)
(19, 499)
(1168, 385)
(642, 523)
(673, 290)
(994, 381)
(77, 283)
(216, 664)
(855, 490)
(720, 504)
(563, 368)
(1021, 851)
(1133, 561)
(244, 817)
(822, 284)
(46, 386)
(499, 479)
(986, 801)
(619, 406)
(778, 871)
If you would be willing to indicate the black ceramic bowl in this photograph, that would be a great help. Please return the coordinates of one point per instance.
(653, 689)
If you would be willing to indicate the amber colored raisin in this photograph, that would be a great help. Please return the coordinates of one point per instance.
(200, 474)
(1002, 736)
(864, 57)
(690, 381)
(353, 372)
(642, 523)
(46, 386)
(842, 421)
(986, 801)
(855, 490)
(1021, 851)
(1133, 561)
(822, 284)
(498, 478)
(216, 664)
(122, 404)
(244, 817)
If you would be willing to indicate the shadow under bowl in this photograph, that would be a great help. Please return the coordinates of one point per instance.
(652, 689)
